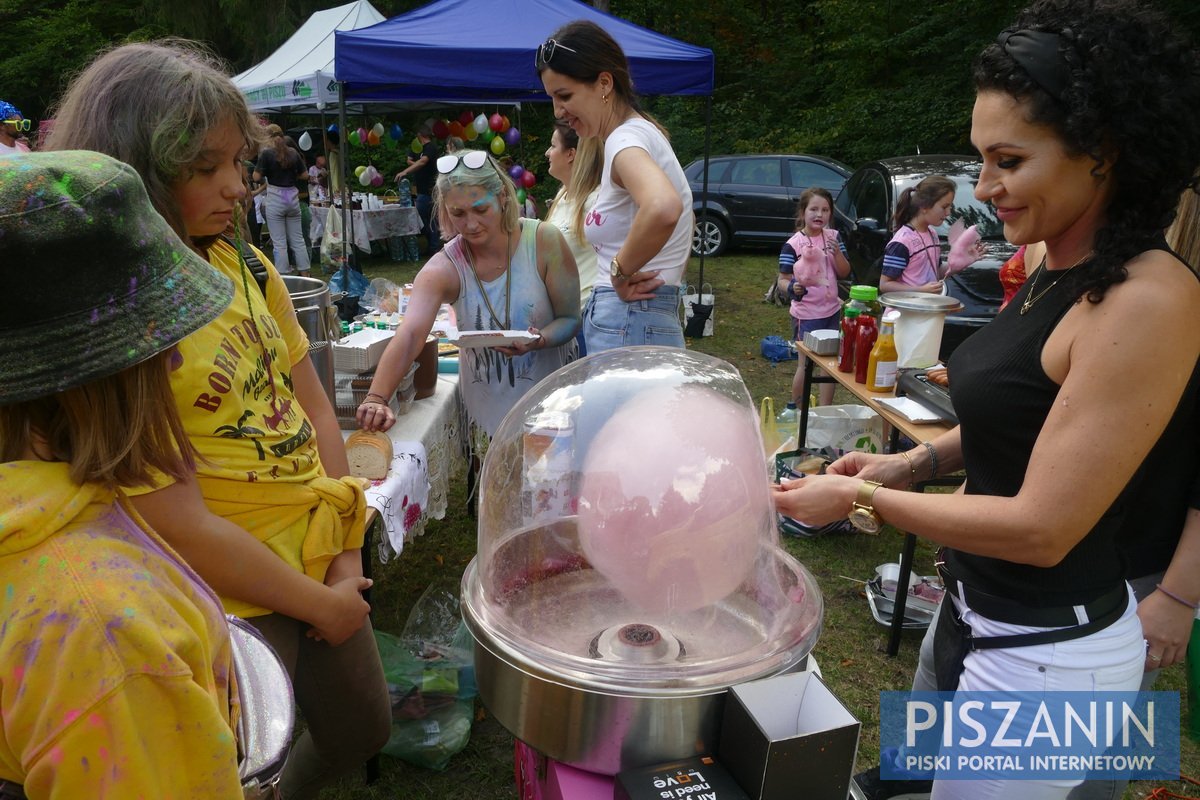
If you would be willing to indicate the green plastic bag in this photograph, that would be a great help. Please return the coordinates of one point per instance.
(430, 674)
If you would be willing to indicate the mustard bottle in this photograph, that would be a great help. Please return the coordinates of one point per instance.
(882, 366)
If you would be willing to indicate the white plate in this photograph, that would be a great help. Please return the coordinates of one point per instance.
(911, 410)
(492, 338)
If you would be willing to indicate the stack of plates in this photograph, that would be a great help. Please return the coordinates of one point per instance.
(924, 594)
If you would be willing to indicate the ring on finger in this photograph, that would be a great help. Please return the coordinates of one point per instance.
(1153, 657)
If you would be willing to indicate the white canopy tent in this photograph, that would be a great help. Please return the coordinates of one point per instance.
(300, 73)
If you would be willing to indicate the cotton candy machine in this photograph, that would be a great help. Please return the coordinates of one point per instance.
(629, 569)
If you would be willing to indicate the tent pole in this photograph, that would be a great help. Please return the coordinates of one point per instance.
(704, 199)
(342, 154)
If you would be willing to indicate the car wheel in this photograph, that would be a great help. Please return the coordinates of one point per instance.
(709, 237)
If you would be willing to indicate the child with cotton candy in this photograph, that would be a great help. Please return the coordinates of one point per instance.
(810, 264)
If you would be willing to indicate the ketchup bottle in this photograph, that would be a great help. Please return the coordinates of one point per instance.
(864, 340)
(847, 340)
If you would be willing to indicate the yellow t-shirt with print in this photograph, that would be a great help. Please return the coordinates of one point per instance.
(259, 466)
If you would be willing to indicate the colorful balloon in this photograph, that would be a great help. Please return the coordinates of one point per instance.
(516, 171)
(365, 178)
(455, 129)
(415, 145)
(528, 179)
(359, 170)
(480, 124)
(504, 123)
(373, 139)
(496, 122)
(362, 135)
(305, 141)
(465, 118)
(440, 129)
(377, 129)
(512, 136)
(497, 145)
(396, 132)
(354, 138)
(377, 180)
(470, 134)
(521, 195)
(488, 135)
(332, 134)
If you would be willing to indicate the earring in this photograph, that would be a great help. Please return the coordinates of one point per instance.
(604, 97)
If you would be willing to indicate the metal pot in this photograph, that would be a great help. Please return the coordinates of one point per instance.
(314, 306)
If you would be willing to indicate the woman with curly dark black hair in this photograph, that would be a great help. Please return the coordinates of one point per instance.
(1085, 115)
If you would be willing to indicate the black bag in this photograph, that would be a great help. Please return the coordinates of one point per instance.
(695, 324)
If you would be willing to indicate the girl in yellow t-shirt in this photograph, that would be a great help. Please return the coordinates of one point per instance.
(115, 657)
(270, 521)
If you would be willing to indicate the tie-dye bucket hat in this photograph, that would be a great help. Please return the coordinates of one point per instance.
(97, 280)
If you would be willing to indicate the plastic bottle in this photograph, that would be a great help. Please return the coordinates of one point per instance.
(846, 341)
(864, 340)
(787, 423)
(881, 368)
(866, 300)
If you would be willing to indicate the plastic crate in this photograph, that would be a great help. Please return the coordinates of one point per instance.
(360, 351)
(351, 390)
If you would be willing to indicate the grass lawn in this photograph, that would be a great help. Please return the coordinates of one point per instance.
(850, 651)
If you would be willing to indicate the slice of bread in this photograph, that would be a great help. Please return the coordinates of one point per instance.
(369, 454)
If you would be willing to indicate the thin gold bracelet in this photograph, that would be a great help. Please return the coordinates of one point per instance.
(912, 480)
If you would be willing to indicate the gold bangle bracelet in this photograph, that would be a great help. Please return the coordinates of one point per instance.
(912, 478)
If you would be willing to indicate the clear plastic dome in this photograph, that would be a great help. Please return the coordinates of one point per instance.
(627, 539)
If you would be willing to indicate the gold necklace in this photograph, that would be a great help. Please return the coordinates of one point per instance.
(1032, 298)
(507, 284)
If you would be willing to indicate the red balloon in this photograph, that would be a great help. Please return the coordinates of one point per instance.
(456, 129)
(496, 122)
(528, 179)
(465, 118)
(440, 129)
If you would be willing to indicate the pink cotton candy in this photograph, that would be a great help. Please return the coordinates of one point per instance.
(673, 499)
(962, 251)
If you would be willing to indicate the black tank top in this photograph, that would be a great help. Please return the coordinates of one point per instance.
(1002, 397)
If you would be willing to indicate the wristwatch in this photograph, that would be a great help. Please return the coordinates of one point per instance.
(614, 269)
(862, 514)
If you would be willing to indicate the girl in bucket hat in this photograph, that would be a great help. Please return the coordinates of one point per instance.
(271, 521)
(114, 655)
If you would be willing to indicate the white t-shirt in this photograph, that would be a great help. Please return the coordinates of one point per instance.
(608, 222)
(562, 216)
(15, 150)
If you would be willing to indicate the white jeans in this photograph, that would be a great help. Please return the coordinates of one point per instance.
(1108, 660)
(283, 221)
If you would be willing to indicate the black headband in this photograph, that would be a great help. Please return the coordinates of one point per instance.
(1037, 52)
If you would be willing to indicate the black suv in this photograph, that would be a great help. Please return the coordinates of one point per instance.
(752, 199)
(863, 213)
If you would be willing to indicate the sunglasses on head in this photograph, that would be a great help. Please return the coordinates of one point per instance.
(19, 124)
(546, 50)
(473, 159)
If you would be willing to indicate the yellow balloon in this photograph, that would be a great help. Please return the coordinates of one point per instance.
(359, 170)
(470, 134)
(497, 145)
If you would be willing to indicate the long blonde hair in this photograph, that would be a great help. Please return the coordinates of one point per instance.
(1184, 234)
(586, 170)
(114, 431)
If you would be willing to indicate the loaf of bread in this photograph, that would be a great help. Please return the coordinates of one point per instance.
(369, 454)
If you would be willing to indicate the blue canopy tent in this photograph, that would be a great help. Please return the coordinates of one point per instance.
(482, 50)
(471, 51)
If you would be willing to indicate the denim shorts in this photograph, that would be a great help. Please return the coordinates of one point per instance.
(803, 326)
(609, 322)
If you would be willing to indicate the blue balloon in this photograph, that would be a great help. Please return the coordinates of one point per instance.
(395, 132)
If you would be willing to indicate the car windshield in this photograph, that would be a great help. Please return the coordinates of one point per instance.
(968, 209)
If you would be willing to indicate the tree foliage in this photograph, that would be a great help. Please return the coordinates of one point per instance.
(851, 79)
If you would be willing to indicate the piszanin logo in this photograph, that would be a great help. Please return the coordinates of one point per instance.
(1030, 735)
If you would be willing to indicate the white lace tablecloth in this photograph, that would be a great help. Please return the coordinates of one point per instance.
(371, 225)
(426, 455)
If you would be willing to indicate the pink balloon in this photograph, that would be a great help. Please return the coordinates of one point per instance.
(362, 135)
(496, 123)
(677, 528)
(528, 179)
(377, 180)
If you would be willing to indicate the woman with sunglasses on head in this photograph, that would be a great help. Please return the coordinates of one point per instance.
(115, 656)
(1085, 115)
(641, 223)
(271, 519)
(500, 272)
